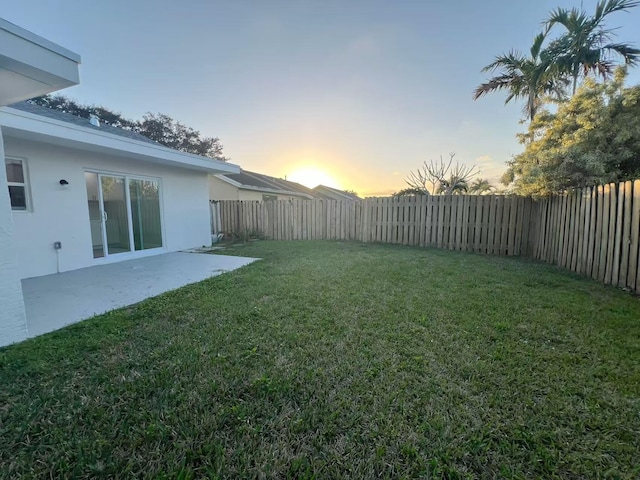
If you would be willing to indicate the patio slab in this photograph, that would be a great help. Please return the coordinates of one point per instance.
(54, 301)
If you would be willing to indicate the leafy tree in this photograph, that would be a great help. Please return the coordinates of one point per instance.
(594, 138)
(481, 186)
(410, 192)
(158, 127)
(67, 105)
(530, 78)
(441, 178)
(586, 46)
(165, 130)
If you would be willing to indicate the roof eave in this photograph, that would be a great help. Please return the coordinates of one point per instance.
(262, 189)
(47, 130)
(279, 192)
(31, 65)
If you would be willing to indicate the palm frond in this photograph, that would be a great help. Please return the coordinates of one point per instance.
(630, 54)
(512, 60)
(500, 82)
(537, 45)
(557, 16)
(605, 7)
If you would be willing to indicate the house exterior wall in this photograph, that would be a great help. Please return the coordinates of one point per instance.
(62, 214)
(221, 190)
(13, 321)
(253, 195)
(250, 195)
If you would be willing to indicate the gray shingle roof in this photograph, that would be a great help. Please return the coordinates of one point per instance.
(79, 121)
(250, 179)
(258, 180)
(319, 191)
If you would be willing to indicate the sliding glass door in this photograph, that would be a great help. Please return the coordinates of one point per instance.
(115, 214)
(124, 213)
(145, 213)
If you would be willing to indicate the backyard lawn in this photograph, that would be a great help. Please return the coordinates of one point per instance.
(338, 360)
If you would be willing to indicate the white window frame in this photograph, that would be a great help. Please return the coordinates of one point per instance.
(25, 184)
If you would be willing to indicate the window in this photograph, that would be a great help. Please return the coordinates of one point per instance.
(16, 179)
(269, 198)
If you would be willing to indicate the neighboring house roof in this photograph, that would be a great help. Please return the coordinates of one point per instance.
(80, 121)
(247, 180)
(322, 191)
(35, 123)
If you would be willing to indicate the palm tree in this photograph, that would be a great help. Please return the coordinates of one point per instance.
(454, 185)
(481, 186)
(586, 46)
(531, 78)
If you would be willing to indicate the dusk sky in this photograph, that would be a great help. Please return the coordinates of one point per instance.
(351, 93)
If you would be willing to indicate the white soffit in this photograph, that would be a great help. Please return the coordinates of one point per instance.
(31, 65)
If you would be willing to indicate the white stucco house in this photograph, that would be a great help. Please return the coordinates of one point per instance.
(74, 194)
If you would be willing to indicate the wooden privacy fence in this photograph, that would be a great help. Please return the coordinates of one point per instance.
(487, 224)
(593, 232)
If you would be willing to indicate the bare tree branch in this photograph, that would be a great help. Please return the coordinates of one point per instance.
(442, 178)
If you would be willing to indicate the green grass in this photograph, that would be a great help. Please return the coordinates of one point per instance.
(338, 360)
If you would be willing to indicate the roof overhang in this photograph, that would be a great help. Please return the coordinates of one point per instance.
(31, 66)
(24, 125)
(323, 189)
(261, 189)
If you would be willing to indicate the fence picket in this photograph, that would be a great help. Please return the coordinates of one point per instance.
(634, 245)
(618, 227)
(626, 235)
(604, 242)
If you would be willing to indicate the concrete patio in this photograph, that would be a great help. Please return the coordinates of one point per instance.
(54, 301)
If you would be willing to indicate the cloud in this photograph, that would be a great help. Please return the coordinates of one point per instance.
(490, 169)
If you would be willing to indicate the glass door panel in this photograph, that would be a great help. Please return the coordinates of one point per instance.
(115, 214)
(124, 214)
(144, 196)
(95, 214)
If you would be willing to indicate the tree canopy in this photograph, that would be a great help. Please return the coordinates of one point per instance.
(586, 47)
(530, 78)
(593, 138)
(158, 127)
(592, 133)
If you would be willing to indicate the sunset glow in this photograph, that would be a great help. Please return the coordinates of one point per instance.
(312, 177)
